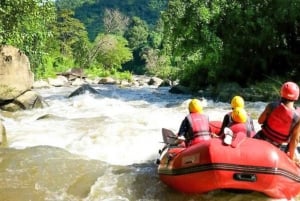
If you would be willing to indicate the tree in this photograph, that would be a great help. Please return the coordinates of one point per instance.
(190, 37)
(111, 51)
(240, 41)
(72, 37)
(115, 22)
(71, 5)
(24, 24)
(260, 39)
(137, 33)
(157, 64)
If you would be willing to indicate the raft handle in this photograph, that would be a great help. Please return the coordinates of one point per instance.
(245, 177)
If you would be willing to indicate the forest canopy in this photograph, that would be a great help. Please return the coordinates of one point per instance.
(200, 43)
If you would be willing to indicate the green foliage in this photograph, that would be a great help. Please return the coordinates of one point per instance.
(71, 36)
(156, 35)
(126, 75)
(24, 24)
(198, 41)
(91, 14)
(240, 41)
(137, 33)
(111, 51)
(157, 64)
(195, 46)
(96, 71)
(71, 5)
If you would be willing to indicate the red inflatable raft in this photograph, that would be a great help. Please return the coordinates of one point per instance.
(250, 164)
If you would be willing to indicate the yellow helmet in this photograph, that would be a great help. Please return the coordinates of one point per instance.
(195, 106)
(237, 101)
(239, 115)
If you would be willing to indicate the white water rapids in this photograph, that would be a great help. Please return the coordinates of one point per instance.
(98, 147)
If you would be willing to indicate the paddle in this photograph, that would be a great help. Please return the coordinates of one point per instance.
(169, 137)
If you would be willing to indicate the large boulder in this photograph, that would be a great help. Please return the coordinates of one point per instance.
(28, 100)
(15, 74)
(16, 81)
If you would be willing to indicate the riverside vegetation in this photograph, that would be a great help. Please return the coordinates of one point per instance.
(202, 44)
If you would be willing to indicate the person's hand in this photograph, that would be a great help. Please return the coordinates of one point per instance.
(181, 138)
(295, 159)
(214, 135)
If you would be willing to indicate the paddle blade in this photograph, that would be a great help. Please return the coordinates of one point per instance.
(169, 137)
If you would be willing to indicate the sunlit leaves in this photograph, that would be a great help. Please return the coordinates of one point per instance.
(111, 51)
(237, 40)
(24, 24)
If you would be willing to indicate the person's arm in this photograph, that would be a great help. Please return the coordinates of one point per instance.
(294, 141)
(183, 127)
(251, 123)
(263, 116)
(225, 123)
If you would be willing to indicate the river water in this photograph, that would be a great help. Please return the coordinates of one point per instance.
(98, 147)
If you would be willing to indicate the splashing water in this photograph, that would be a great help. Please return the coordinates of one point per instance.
(98, 147)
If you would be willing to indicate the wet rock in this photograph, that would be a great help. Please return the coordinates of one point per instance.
(107, 80)
(28, 100)
(15, 74)
(59, 81)
(86, 88)
(179, 89)
(73, 73)
(155, 81)
(41, 84)
(78, 82)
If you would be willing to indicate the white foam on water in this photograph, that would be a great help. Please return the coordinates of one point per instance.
(117, 127)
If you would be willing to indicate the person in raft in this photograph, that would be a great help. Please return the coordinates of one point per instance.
(281, 121)
(237, 101)
(238, 127)
(195, 126)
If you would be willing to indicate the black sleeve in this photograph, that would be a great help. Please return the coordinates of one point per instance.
(225, 123)
(183, 127)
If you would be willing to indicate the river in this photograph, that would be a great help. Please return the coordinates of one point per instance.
(99, 147)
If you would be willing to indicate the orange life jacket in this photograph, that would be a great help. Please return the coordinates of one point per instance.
(280, 123)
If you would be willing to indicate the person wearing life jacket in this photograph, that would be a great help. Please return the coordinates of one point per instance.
(281, 120)
(237, 101)
(195, 126)
(238, 128)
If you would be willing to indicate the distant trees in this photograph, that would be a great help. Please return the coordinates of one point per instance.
(56, 35)
(190, 37)
(110, 51)
(115, 22)
(71, 36)
(199, 42)
(241, 41)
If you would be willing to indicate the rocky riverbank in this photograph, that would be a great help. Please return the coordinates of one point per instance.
(17, 84)
(223, 92)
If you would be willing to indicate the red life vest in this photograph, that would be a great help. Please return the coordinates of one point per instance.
(200, 127)
(280, 123)
(247, 126)
(239, 127)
